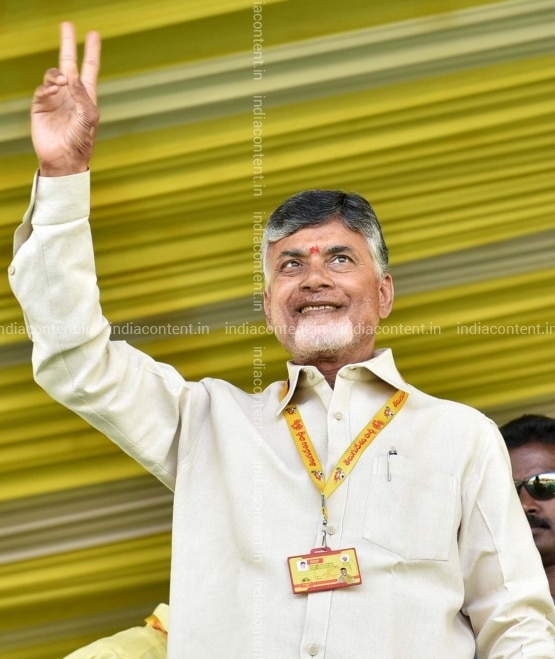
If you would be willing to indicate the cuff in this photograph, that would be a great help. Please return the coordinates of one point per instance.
(61, 199)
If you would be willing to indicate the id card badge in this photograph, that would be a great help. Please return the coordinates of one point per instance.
(324, 569)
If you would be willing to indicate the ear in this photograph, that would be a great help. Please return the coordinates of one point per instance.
(386, 295)
(267, 303)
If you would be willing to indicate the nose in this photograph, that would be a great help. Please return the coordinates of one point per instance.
(529, 504)
(316, 276)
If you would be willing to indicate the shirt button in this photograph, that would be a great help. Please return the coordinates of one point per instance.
(310, 375)
(313, 650)
(331, 530)
(11, 270)
(338, 415)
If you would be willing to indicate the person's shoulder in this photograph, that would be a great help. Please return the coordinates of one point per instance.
(431, 409)
(259, 390)
(445, 406)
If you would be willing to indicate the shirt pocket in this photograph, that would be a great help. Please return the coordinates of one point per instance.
(413, 514)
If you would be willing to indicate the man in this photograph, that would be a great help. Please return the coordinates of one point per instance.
(344, 460)
(531, 443)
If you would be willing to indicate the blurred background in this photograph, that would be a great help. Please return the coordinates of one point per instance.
(440, 112)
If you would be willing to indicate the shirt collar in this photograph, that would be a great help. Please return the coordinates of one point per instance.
(381, 365)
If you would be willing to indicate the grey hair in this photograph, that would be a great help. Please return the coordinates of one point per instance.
(315, 207)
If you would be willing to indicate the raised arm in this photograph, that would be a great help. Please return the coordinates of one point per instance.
(64, 115)
(53, 277)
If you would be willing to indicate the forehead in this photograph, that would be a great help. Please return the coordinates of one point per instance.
(532, 458)
(318, 238)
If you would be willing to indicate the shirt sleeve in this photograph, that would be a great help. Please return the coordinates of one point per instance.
(506, 591)
(137, 402)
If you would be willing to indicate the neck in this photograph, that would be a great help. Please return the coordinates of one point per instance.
(550, 573)
(330, 367)
(329, 371)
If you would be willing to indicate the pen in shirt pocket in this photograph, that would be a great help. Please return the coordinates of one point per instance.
(392, 451)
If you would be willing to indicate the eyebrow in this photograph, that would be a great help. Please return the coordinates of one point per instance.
(299, 253)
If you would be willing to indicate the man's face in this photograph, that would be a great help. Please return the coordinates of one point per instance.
(324, 299)
(529, 460)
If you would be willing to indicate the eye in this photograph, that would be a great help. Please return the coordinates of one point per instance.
(292, 263)
(341, 262)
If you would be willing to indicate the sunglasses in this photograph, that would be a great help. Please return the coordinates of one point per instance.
(539, 486)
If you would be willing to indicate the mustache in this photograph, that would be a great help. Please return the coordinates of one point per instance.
(538, 522)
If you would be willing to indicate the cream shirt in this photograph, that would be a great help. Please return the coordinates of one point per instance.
(444, 549)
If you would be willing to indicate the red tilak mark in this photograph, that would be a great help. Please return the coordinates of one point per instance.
(315, 249)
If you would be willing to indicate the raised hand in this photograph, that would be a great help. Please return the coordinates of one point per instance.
(64, 115)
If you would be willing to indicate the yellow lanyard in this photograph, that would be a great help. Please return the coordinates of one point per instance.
(351, 456)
